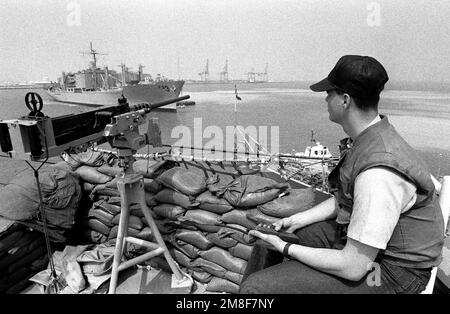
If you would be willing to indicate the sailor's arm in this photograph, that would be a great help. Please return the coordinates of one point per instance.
(323, 211)
(351, 263)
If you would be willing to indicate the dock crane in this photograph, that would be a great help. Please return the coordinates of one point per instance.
(224, 73)
(204, 76)
(254, 77)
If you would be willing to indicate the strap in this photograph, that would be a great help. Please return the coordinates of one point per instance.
(286, 250)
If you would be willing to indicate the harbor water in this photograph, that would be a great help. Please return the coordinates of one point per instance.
(421, 117)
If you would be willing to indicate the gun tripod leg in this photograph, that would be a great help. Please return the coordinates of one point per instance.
(132, 191)
(120, 240)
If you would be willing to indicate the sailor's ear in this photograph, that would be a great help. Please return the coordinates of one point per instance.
(346, 99)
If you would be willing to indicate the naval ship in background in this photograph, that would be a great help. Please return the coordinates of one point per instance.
(95, 86)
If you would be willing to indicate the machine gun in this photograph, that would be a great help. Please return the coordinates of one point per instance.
(37, 137)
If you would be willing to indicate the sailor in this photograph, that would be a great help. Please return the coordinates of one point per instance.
(382, 231)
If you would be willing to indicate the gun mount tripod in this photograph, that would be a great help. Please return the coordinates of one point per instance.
(123, 133)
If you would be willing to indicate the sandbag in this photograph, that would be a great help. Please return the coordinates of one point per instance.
(114, 200)
(223, 242)
(98, 197)
(200, 216)
(150, 199)
(240, 236)
(148, 168)
(196, 238)
(222, 285)
(91, 175)
(146, 234)
(256, 216)
(241, 250)
(298, 200)
(238, 217)
(88, 187)
(22, 248)
(32, 255)
(130, 232)
(6, 242)
(111, 171)
(137, 211)
(102, 215)
(92, 236)
(107, 206)
(186, 181)
(63, 165)
(97, 225)
(200, 276)
(217, 183)
(251, 190)
(212, 203)
(186, 248)
(112, 184)
(9, 283)
(180, 257)
(133, 221)
(169, 211)
(210, 267)
(182, 225)
(164, 225)
(234, 277)
(89, 158)
(173, 197)
(225, 259)
(103, 190)
(152, 186)
(207, 228)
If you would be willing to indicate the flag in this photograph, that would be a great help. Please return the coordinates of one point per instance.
(235, 92)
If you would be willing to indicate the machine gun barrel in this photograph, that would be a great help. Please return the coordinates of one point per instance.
(150, 107)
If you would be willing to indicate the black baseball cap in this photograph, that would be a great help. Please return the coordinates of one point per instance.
(359, 76)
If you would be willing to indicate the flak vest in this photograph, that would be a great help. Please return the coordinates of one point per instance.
(418, 237)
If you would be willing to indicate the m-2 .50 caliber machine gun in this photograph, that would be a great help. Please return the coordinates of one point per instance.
(38, 137)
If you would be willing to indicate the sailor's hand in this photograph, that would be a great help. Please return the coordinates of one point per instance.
(280, 224)
(269, 238)
(287, 223)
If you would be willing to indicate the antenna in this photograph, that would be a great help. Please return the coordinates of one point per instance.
(94, 53)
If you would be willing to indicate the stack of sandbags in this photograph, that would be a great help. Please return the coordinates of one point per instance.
(22, 255)
(99, 222)
(203, 218)
(211, 240)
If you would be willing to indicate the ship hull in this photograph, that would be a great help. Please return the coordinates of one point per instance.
(135, 94)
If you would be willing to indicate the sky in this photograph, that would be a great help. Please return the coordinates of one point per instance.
(298, 39)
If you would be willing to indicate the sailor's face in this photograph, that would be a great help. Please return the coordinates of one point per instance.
(335, 107)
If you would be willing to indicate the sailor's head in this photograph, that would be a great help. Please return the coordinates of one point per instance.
(360, 77)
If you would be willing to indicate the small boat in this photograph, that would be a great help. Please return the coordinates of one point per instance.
(315, 151)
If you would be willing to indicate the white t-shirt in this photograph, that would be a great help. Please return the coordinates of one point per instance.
(379, 197)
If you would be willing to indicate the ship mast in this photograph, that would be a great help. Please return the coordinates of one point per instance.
(94, 54)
